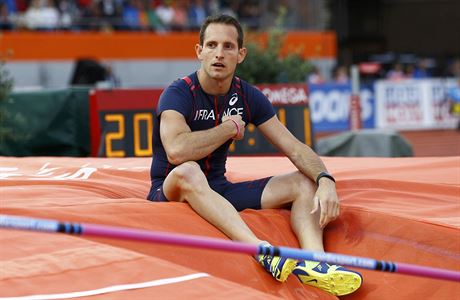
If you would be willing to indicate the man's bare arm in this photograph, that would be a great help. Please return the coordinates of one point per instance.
(308, 162)
(301, 155)
(181, 144)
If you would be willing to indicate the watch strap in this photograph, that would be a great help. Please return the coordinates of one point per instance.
(324, 174)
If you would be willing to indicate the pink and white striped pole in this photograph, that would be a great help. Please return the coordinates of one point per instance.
(45, 225)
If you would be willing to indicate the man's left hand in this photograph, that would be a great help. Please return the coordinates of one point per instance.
(327, 201)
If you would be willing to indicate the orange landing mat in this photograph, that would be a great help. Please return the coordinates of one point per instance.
(398, 209)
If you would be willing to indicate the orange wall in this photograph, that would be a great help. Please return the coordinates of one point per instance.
(124, 45)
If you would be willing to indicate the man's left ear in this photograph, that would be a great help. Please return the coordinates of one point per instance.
(198, 50)
(241, 55)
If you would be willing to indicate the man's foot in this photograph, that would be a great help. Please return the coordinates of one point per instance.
(279, 267)
(333, 279)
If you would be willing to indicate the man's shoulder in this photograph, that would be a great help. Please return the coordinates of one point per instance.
(244, 84)
(180, 83)
(250, 89)
(180, 86)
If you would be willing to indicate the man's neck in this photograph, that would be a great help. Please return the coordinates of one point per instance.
(212, 86)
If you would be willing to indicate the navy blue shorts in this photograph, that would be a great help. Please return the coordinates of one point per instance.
(241, 195)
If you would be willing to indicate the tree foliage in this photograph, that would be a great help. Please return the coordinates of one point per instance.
(265, 64)
(6, 85)
(6, 82)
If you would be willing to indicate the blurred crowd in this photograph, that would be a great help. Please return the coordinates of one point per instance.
(421, 68)
(148, 15)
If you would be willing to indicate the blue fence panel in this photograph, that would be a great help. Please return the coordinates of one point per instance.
(330, 107)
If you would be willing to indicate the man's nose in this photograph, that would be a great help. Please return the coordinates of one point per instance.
(219, 52)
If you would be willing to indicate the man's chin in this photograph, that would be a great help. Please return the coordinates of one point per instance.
(219, 76)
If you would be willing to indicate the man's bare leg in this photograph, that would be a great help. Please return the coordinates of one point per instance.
(188, 183)
(300, 190)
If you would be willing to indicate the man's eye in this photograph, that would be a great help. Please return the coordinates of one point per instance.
(211, 45)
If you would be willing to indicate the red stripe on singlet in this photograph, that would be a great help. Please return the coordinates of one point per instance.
(187, 80)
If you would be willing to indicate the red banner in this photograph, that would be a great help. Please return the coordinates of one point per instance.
(292, 93)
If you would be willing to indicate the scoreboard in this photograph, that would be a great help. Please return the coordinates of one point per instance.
(121, 121)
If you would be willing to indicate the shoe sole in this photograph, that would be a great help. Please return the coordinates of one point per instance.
(339, 283)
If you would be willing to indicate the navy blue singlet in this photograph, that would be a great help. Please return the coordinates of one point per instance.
(202, 111)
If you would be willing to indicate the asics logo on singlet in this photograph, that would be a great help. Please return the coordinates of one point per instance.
(233, 99)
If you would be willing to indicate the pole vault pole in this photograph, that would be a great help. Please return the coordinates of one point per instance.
(86, 229)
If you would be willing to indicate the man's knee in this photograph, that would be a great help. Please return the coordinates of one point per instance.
(301, 184)
(284, 189)
(189, 176)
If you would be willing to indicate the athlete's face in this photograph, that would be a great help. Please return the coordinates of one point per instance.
(219, 54)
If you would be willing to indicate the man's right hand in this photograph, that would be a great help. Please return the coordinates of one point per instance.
(239, 121)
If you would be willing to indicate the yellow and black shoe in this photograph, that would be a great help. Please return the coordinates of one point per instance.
(279, 267)
(333, 279)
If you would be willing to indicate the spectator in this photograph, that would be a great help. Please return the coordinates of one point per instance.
(315, 77)
(10, 5)
(397, 73)
(21, 6)
(229, 8)
(135, 15)
(111, 13)
(409, 71)
(91, 17)
(453, 95)
(5, 19)
(166, 13)
(8, 13)
(196, 14)
(179, 20)
(249, 13)
(422, 69)
(213, 7)
(454, 68)
(155, 22)
(69, 12)
(42, 15)
(341, 75)
(83, 4)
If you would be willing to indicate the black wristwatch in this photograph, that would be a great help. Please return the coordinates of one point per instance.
(324, 174)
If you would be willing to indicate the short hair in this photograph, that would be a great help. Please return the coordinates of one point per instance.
(222, 19)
